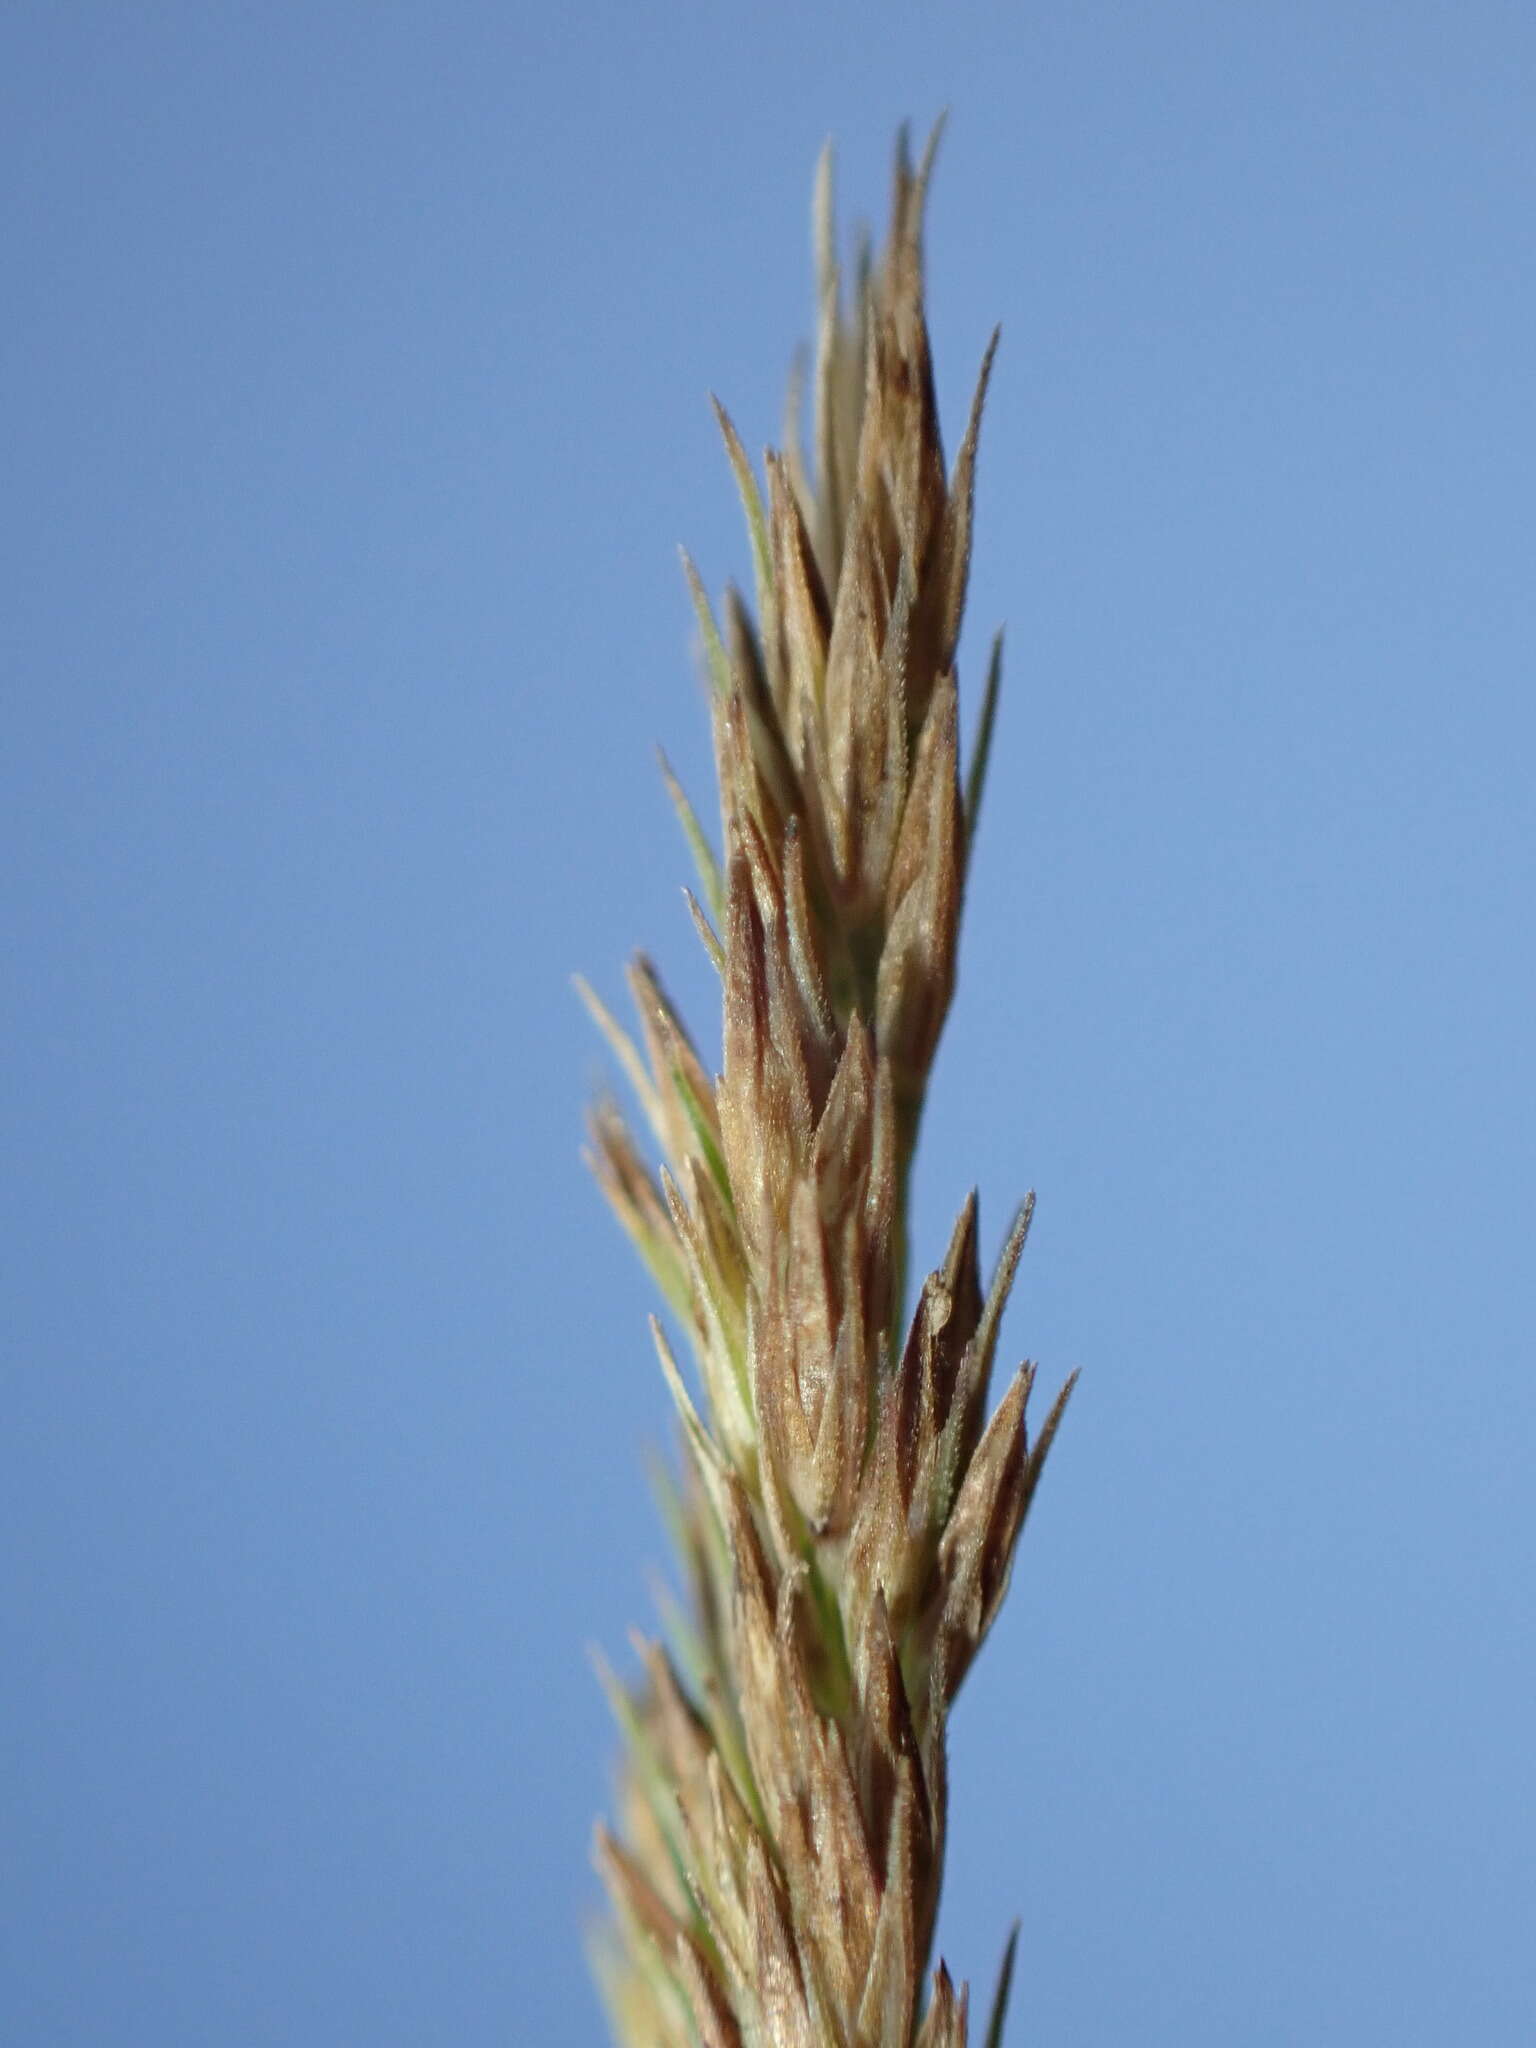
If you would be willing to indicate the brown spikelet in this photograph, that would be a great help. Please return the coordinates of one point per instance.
(847, 1514)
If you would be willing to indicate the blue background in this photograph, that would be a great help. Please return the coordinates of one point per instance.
(354, 364)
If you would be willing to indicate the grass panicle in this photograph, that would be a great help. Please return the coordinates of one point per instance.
(850, 1500)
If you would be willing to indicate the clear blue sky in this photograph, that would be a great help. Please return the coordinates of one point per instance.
(354, 369)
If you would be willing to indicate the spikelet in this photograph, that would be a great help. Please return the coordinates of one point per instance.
(848, 1511)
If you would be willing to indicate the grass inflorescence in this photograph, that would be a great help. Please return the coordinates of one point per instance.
(848, 1508)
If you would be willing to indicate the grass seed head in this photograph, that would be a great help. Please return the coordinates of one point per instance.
(847, 1515)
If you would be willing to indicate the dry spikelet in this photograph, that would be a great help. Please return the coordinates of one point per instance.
(847, 1514)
